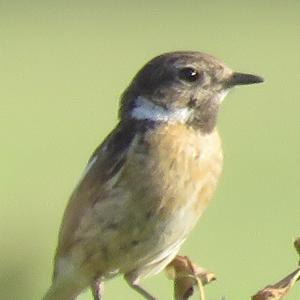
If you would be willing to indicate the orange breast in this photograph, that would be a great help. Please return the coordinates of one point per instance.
(145, 211)
(184, 165)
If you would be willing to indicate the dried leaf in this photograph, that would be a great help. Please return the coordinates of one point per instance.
(186, 275)
(278, 290)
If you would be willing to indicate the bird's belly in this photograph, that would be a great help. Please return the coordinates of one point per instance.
(177, 180)
(154, 234)
(154, 203)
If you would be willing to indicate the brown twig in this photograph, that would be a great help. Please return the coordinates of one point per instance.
(186, 275)
(278, 290)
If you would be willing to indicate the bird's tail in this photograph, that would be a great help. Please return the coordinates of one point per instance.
(66, 288)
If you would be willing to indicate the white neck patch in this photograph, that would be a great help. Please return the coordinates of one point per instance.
(147, 110)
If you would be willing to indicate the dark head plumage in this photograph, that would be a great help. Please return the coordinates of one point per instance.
(182, 86)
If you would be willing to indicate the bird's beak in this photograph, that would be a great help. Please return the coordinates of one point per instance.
(241, 79)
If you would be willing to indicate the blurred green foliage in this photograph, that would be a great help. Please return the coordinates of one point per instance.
(63, 65)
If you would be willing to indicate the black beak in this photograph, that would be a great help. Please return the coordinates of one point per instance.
(241, 79)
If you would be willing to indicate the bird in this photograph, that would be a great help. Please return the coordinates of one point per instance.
(146, 186)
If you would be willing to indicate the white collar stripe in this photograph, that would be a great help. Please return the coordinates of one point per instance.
(147, 110)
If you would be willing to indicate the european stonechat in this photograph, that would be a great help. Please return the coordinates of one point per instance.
(147, 184)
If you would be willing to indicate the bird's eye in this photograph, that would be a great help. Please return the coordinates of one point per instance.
(189, 74)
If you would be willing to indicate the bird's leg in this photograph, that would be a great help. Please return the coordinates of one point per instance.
(97, 288)
(134, 284)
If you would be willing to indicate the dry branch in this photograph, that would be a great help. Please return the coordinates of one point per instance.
(278, 290)
(186, 275)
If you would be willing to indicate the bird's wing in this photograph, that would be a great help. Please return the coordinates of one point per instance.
(103, 165)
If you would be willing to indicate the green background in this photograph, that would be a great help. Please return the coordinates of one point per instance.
(63, 65)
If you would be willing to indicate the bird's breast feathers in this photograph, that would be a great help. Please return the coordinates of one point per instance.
(142, 191)
(181, 166)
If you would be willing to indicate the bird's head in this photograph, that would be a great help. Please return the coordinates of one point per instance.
(185, 87)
